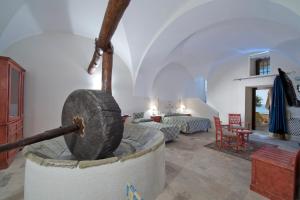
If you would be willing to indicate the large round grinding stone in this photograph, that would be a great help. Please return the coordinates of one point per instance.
(103, 124)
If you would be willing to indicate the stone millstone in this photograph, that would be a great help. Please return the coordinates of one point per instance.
(102, 120)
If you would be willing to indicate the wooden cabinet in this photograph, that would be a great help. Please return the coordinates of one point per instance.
(274, 173)
(11, 106)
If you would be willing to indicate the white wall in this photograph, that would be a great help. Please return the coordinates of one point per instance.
(174, 82)
(55, 66)
(227, 95)
(198, 108)
(174, 85)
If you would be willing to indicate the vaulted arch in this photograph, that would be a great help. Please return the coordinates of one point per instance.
(34, 17)
(206, 21)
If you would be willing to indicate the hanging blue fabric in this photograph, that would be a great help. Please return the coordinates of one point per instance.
(277, 113)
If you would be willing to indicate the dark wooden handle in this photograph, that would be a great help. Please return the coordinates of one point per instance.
(47, 135)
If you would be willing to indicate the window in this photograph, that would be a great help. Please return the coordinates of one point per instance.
(262, 66)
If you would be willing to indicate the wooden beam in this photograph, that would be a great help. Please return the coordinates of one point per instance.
(112, 17)
(107, 64)
(114, 12)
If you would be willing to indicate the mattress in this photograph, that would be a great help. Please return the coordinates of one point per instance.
(294, 126)
(170, 132)
(188, 124)
(293, 112)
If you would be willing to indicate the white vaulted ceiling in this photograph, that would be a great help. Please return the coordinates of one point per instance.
(196, 34)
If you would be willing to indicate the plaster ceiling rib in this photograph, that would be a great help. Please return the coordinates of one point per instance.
(35, 17)
(178, 13)
(259, 10)
(7, 10)
(143, 19)
(15, 29)
(251, 36)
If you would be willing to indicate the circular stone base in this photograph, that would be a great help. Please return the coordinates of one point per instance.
(51, 173)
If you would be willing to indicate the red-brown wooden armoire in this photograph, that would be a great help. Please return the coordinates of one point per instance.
(11, 106)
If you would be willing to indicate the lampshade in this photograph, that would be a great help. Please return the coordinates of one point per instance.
(153, 107)
(182, 106)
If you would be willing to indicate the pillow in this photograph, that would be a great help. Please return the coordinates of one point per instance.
(141, 120)
(138, 115)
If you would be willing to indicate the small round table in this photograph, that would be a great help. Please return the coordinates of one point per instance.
(243, 135)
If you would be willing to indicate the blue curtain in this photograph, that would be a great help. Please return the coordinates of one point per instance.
(277, 113)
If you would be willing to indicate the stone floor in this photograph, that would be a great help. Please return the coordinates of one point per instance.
(194, 172)
(12, 180)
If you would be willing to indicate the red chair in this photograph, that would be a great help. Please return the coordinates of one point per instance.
(235, 125)
(225, 138)
(234, 121)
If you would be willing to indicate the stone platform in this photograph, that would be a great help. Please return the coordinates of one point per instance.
(51, 172)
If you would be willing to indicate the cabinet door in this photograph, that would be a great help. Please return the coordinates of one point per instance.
(12, 137)
(22, 95)
(14, 93)
(4, 82)
(19, 130)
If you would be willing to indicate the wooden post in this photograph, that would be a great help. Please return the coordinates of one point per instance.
(107, 64)
(95, 60)
(114, 12)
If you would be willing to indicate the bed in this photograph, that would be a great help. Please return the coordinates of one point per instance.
(293, 121)
(186, 123)
(170, 132)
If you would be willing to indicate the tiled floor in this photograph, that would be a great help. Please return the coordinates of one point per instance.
(194, 172)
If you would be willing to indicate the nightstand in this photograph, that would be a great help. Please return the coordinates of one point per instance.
(156, 118)
(124, 117)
